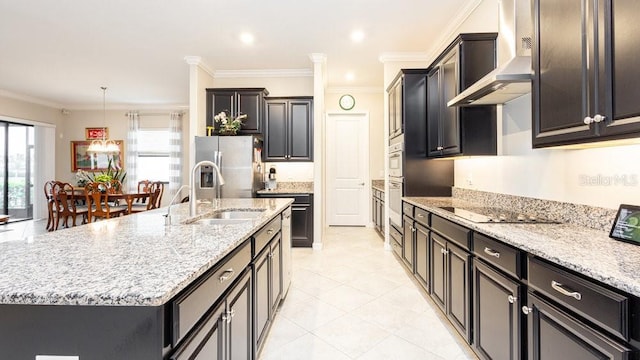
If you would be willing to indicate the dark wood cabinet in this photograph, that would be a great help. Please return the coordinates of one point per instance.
(585, 71)
(288, 129)
(451, 282)
(555, 334)
(268, 288)
(394, 92)
(422, 255)
(460, 130)
(227, 332)
(377, 210)
(408, 242)
(301, 217)
(498, 326)
(238, 101)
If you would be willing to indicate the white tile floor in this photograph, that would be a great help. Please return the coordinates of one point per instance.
(353, 300)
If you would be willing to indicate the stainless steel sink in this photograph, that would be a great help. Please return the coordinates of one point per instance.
(217, 221)
(229, 216)
(237, 214)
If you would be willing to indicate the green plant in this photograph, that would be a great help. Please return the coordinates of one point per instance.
(111, 173)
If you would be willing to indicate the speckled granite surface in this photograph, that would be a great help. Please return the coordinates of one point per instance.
(301, 187)
(581, 215)
(378, 184)
(588, 251)
(132, 260)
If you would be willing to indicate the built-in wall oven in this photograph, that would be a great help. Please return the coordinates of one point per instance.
(396, 180)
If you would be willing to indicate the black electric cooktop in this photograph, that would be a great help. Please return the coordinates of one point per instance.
(495, 215)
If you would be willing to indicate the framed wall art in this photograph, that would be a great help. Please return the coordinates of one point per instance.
(96, 133)
(82, 160)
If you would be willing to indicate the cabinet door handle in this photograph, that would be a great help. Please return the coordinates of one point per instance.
(443, 251)
(492, 252)
(587, 120)
(226, 275)
(512, 299)
(560, 288)
(598, 118)
(440, 148)
(229, 315)
(527, 310)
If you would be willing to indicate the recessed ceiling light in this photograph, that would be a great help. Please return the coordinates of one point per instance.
(350, 76)
(357, 36)
(246, 38)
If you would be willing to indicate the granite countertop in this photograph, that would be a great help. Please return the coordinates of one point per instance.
(378, 185)
(300, 187)
(134, 260)
(586, 251)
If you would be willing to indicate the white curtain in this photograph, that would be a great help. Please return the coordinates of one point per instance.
(132, 151)
(44, 156)
(175, 154)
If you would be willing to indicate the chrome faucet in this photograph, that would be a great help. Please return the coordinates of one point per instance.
(167, 216)
(192, 183)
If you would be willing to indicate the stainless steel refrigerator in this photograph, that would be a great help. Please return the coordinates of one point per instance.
(240, 161)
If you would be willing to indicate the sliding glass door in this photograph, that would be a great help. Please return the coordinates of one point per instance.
(16, 171)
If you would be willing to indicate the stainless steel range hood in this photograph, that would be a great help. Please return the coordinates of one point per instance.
(513, 78)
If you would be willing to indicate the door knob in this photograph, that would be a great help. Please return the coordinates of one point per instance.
(361, 184)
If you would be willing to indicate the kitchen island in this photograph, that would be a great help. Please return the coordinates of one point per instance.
(113, 289)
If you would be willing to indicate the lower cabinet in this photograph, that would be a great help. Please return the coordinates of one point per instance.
(377, 210)
(226, 332)
(421, 235)
(554, 334)
(301, 217)
(268, 288)
(496, 314)
(408, 240)
(450, 283)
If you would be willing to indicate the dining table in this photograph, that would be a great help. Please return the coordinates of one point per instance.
(128, 197)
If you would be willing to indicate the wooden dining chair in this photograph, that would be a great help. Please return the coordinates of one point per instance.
(67, 206)
(154, 189)
(98, 202)
(158, 200)
(142, 204)
(48, 194)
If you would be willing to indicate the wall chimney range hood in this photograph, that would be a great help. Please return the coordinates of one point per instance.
(513, 78)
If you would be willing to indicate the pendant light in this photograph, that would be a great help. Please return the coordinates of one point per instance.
(104, 145)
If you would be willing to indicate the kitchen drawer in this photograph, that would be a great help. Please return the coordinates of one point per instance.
(395, 234)
(204, 330)
(602, 306)
(498, 254)
(264, 235)
(453, 232)
(189, 307)
(397, 248)
(421, 216)
(407, 209)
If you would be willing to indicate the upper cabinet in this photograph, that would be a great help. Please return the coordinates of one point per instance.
(238, 101)
(396, 120)
(586, 76)
(408, 104)
(455, 131)
(288, 134)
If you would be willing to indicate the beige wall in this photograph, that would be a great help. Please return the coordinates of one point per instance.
(277, 86)
(22, 109)
(371, 101)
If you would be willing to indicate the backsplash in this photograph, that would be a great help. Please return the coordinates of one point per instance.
(582, 215)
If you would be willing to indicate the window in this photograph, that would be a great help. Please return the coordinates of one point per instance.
(153, 155)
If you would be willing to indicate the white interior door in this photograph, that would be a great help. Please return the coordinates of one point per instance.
(347, 169)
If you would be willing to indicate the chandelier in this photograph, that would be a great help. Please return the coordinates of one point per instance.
(104, 145)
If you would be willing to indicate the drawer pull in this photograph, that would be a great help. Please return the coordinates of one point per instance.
(420, 215)
(270, 231)
(512, 299)
(527, 310)
(559, 288)
(226, 275)
(492, 252)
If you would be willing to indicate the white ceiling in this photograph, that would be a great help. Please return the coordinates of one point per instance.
(62, 51)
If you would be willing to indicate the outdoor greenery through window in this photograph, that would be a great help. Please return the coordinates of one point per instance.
(16, 170)
(153, 155)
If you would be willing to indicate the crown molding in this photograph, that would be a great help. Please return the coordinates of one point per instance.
(403, 56)
(197, 60)
(318, 57)
(30, 99)
(354, 90)
(263, 73)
